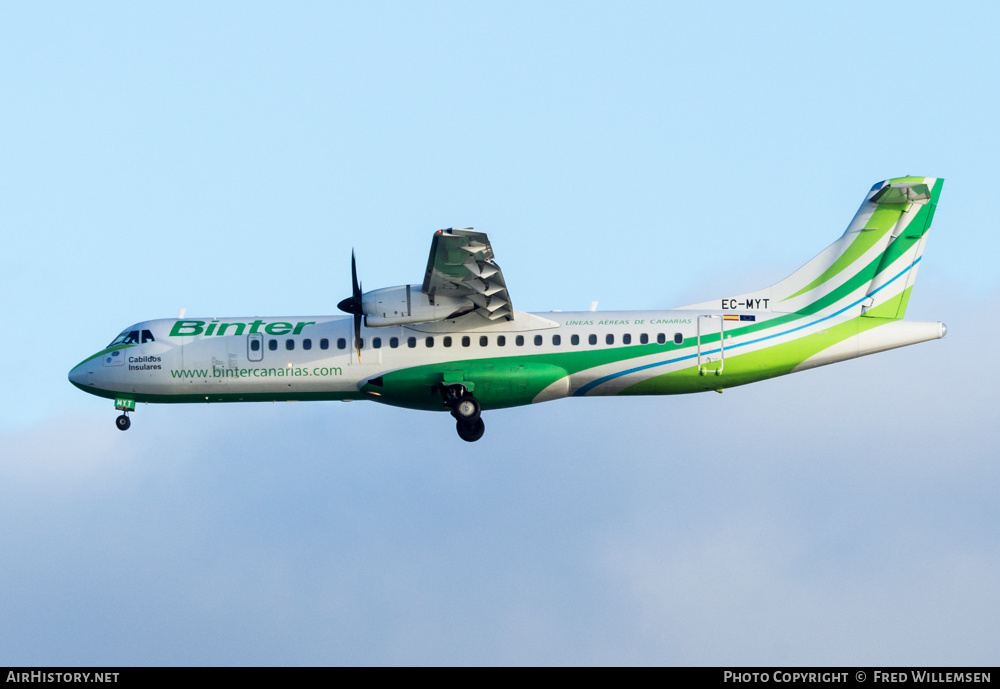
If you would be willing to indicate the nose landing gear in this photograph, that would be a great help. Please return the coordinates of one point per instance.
(124, 405)
(466, 410)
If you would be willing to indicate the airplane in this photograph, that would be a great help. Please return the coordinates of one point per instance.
(455, 343)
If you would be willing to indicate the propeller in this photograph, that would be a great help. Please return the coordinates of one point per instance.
(353, 304)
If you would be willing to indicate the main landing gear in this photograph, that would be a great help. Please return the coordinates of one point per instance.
(466, 410)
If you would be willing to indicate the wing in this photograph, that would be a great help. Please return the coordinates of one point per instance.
(461, 265)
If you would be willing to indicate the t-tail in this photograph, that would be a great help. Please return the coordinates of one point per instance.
(874, 263)
(866, 276)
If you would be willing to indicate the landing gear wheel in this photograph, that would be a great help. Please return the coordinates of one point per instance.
(467, 409)
(470, 432)
(123, 422)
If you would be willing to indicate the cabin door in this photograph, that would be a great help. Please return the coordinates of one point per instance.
(255, 347)
(711, 345)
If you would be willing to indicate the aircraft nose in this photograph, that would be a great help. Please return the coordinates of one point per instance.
(78, 375)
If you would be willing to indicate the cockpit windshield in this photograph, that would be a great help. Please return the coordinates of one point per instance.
(127, 337)
(132, 337)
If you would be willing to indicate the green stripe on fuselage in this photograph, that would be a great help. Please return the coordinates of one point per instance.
(751, 367)
(224, 397)
(525, 376)
(105, 351)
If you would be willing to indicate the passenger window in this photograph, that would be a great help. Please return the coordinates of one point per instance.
(272, 345)
(307, 343)
(610, 339)
(483, 340)
(429, 341)
(501, 340)
(574, 340)
(557, 340)
(592, 339)
(538, 340)
(289, 345)
(377, 342)
(393, 342)
(341, 343)
(324, 343)
(626, 338)
(678, 338)
(466, 341)
(447, 342)
(411, 342)
(254, 345)
(661, 338)
(644, 339)
(519, 340)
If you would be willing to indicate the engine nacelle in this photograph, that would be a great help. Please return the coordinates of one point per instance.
(407, 304)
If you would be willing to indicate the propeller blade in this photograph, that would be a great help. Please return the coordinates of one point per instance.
(357, 334)
(358, 309)
(353, 303)
(354, 280)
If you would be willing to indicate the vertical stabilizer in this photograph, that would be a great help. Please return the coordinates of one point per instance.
(872, 265)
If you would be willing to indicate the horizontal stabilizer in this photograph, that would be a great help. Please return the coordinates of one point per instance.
(902, 193)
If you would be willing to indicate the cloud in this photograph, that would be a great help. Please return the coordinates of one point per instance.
(838, 515)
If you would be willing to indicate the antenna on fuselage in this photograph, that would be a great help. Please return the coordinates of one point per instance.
(593, 306)
(180, 314)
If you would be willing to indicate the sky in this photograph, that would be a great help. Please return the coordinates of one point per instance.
(225, 158)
